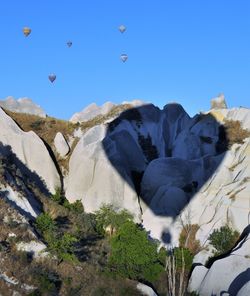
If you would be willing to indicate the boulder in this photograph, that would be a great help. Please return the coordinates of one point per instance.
(229, 275)
(61, 144)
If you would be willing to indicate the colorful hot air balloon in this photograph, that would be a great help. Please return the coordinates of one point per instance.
(69, 43)
(52, 77)
(123, 57)
(122, 28)
(26, 31)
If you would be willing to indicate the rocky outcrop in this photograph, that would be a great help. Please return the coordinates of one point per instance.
(219, 102)
(61, 144)
(29, 149)
(146, 143)
(92, 178)
(93, 110)
(22, 105)
(229, 275)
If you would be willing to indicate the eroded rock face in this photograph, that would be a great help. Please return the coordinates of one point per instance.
(92, 178)
(146, 144)
(170, 160)
(229, 275)
(29, 149)
(62, 146)
(91, 111)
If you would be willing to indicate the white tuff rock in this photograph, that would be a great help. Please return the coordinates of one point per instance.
(22, 105)
(30, 149)
(61, 144)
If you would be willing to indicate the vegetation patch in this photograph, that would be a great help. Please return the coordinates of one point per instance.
(223, 239)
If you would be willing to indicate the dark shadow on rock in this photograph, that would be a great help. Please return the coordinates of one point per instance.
(238, 283)
(139, 132)
(52, 155)
(3, 194)
(21, 179)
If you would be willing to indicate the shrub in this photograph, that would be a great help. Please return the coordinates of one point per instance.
(223, 239)
(58, 196)
(76, 207)
(37, 125)
(62, 247)
(133, 255)
(234, 131)
(107, 215)
(45, 223)
(230, 133)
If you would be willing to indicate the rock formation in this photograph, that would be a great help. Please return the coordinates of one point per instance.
(22, 105)
(29, 149)
(229, 275)
(61, 144)
(219, 102)
(93, 110)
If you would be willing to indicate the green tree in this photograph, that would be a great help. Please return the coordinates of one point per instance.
(223, 239)
(107, 215)
(133, 255)
(183, 256)
(45, 223)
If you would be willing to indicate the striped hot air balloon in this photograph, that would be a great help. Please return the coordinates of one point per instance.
(26, 31)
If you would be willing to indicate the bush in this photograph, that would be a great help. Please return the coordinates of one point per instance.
(230, 133)
(58, 196)
(133, 255)
(223, 239)
(76, 207)
(107, 215)
(62, 247)
(45, 223)
(234, 131)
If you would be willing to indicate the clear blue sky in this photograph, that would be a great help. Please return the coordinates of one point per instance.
(180, 50)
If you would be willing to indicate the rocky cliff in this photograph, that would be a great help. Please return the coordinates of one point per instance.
(166, 168)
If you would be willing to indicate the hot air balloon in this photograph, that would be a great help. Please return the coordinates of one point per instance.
(52, 77)
(69, 43)
(122, 28)
(123, 57)
(26, 31)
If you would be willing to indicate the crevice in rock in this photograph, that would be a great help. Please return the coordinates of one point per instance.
(53, 157)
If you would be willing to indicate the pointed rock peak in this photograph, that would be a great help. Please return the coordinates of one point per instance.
(219, 102)
(91, 107)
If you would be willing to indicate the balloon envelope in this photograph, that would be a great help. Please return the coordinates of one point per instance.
(52, 77)
(122, 28)
(26, 31)
(69, 43)
(123, 57)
